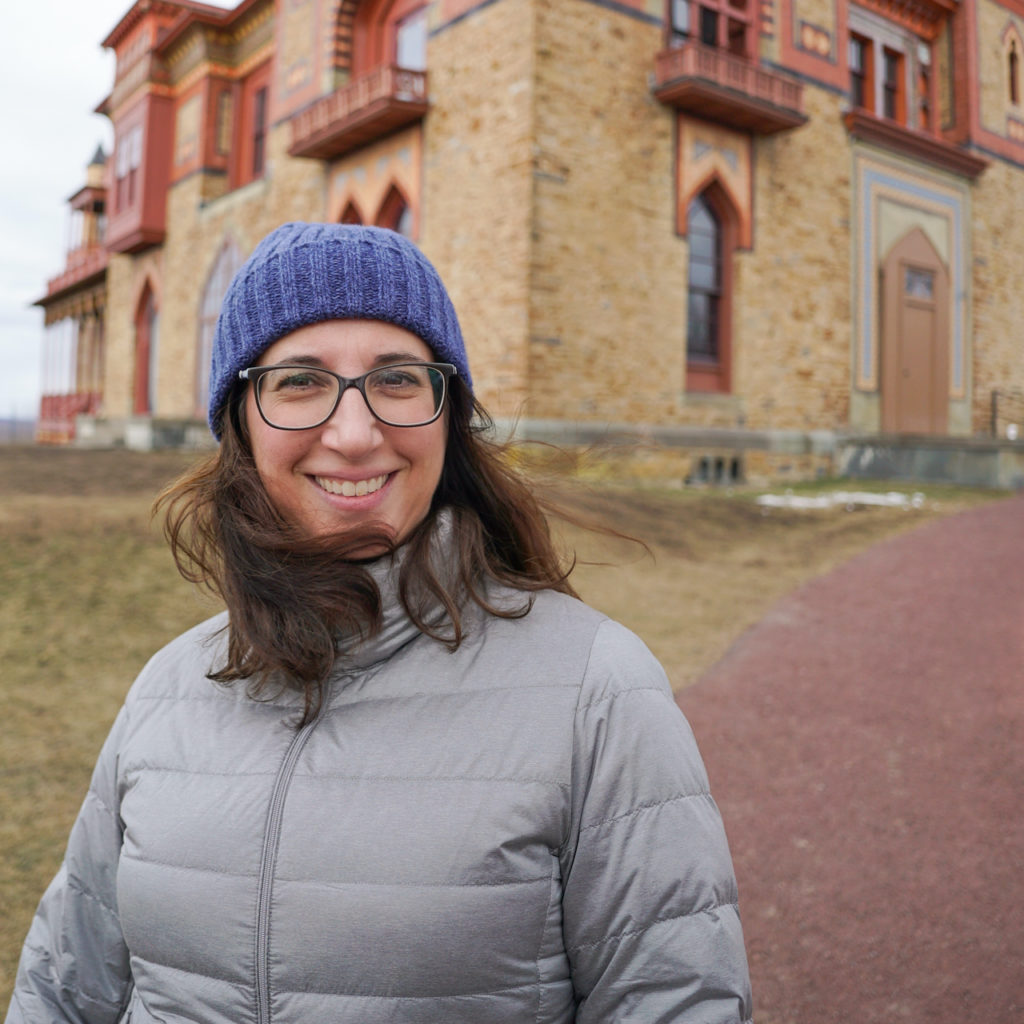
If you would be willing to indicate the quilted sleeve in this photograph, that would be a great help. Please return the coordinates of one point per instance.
(650, 912)
(74, 964)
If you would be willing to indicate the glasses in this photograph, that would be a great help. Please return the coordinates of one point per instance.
(301, 397)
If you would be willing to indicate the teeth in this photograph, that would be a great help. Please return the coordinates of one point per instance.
(352, 488)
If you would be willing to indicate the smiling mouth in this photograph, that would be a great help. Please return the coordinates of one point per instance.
(352, 488)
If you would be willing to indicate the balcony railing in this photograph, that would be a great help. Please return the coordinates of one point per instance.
(82, 265)
(362, 111)
(730, 90)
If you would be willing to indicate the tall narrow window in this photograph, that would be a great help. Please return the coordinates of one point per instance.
(704, 294)
(259, 131)
(860, 73)
(411, 41)
(126, 167)
(1013, 70)
(738, 28)
(223, 125)
(892, 85)
(389, 32)
(679, 14)
(924, 95)
(135, 164)
(708, 26)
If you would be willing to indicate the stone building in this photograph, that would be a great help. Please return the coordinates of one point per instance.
(748, 232)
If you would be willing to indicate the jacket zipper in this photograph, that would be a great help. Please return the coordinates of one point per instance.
(268, 865)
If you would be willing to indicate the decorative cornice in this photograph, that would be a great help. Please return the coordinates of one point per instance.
(889, 135)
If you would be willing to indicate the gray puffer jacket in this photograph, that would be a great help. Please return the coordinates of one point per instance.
(519, 832)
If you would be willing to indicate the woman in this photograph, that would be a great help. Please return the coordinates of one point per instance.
(432, 785)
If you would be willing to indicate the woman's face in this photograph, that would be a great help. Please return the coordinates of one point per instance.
(390, 473)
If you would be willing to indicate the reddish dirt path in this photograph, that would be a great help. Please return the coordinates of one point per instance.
(866, 744)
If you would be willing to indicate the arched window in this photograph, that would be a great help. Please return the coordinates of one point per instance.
(351, 214)
(389, 32)
(395, 213)
(224, 267)
(147, 329)
(709, 280)
(705, 283)
(1013, 72)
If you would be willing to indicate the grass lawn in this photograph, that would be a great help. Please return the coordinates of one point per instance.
(88, 592)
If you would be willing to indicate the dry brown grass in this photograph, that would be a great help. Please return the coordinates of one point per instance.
(88, 592)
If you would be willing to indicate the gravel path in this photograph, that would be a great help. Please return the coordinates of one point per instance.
(866, 744)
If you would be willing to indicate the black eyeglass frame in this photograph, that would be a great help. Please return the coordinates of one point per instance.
(252, 374)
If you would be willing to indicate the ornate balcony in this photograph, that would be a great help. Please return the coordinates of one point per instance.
(730, 90)
(362, 111)
(84, 266)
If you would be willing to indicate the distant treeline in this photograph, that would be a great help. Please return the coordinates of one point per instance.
(16, 430)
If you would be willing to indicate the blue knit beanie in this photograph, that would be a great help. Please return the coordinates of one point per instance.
(302, 274)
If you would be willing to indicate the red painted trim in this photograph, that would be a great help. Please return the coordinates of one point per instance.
(826, 69)
(915, 144)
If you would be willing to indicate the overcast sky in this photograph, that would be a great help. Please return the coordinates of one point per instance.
(53, 73)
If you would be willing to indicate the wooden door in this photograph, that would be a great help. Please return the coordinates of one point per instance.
(915, 338)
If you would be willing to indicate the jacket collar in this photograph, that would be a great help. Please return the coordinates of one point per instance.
(397, 629)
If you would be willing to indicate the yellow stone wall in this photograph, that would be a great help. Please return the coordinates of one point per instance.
(475, 219)
(998, 270)
(792, 301)
(994, 20)
(607, 297)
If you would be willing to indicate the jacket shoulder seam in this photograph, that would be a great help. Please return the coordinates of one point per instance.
(641, 808)
(629, 933)
(622, 693)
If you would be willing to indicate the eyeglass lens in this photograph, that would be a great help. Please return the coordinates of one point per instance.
(293, 397)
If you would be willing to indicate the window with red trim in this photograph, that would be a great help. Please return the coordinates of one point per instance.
(127, 162)
(890, 71)
(893, 96)
(351, 215)
(710, 231)
(389, 32)
(259, 131)
(721, 24)
(862, 93)
(249, 149)
(395, 213)
(1013, 72)
(704, 295)
(924, 97)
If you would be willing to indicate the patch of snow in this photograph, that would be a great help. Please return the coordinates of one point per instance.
(849, 500)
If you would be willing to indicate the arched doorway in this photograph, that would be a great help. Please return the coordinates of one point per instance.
(228, 260)
(147, 322)
(915, 338)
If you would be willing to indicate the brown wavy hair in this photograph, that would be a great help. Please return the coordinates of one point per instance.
(291, 596)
